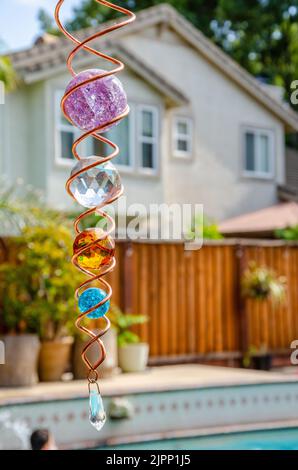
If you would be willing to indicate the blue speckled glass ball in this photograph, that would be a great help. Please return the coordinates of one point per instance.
(91, 297)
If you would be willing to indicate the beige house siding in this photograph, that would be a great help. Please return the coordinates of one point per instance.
(14, 138)
(138, 188)
(23, 136)
(219, 110)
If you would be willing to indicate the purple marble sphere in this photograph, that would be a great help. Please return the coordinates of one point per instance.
(96, 103)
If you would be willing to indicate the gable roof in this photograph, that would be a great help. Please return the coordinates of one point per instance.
(173, 95)
(43, 57)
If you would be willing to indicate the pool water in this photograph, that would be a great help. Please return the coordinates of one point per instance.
(280, 439)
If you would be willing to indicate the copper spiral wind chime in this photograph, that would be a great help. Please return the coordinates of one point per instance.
(94, 102)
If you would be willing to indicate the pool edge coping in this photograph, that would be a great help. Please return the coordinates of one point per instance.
(56, 397)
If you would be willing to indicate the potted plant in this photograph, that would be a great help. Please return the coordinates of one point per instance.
(132, 354)
(258, 358)
(21, 343)
(20, 206)
(260, 284)
(45, 281)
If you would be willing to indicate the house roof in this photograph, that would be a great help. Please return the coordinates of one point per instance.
(40, 70)
(48, 55)
(266, 220)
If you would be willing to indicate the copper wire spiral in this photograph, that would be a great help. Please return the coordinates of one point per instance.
(98, 278)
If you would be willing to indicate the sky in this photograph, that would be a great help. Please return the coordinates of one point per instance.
(18, 20)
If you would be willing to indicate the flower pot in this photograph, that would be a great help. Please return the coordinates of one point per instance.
(110, 365)
(262, 362)
(21, 358)
(134, 357)
(54, 358)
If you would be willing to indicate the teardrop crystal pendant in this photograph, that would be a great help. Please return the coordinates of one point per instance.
(97, 415)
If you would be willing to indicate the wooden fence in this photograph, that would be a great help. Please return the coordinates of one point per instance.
(193, 298)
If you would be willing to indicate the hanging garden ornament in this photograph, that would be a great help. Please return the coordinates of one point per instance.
(94, 101)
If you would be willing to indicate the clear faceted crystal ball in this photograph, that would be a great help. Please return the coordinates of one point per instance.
(96, 186)
(97, 103)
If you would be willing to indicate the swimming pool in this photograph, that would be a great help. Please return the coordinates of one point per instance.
(277, 439)
(174, 404)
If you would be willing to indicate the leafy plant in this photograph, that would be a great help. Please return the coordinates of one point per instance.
(261, 283)
(290, 233)
(7, 73)
(47, 23)
(123, 322)
(22, 206)
(204, 226)
(37, 291)
(252, 352)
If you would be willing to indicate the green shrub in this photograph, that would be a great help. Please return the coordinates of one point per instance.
(7, 74)
(123, 322)
(38, 290)
(290, 233)
(206, 227)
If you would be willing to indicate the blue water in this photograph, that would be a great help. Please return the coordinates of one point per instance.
(281, 439)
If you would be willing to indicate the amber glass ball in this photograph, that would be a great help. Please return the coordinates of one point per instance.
(98, 254)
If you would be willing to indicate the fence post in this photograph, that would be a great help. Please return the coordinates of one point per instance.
(127, 278)
(240, 301)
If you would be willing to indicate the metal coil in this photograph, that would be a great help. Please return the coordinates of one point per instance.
(98, 279)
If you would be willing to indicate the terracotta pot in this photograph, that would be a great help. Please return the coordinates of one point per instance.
(21, 358)
(134, 357)
(54, 358)
(110, 365)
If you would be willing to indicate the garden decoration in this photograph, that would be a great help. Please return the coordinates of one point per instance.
(94, 101)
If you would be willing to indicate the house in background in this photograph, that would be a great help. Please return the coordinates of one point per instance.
(201, 129)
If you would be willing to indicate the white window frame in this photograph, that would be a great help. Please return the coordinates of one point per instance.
(131, 147)
(187, 137)
(144, 139)
(258, 132)
(60, 127)
(136, 139)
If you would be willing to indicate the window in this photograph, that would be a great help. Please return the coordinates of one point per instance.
(258, 153)
(136, 136)
(148, 138)
(66, 134)
(182, 137)
(121, 134)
